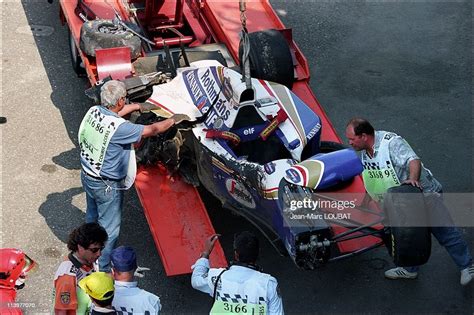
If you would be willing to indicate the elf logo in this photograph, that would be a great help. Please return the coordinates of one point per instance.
(249, 131)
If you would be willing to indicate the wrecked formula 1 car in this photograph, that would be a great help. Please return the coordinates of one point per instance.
(250, 146)
(257, 148)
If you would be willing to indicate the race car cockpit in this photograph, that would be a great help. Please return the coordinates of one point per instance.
(264, 123)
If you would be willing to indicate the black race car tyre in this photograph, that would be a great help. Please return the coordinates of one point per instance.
(100, 34)
(409, 241)
(75, 57)
(270, 57)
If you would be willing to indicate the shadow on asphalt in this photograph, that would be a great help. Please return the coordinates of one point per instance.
(68, 159)
(59, 206)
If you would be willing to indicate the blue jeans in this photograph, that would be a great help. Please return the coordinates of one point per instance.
(448, 235)
(104, 206)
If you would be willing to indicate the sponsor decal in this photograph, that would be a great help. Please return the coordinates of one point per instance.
(313, 131)
(227, 88)
(204, 90)
(269, 168)
(221, 109)
(210, 85)
(65, 298)
(195, 89)
(249, 131)
(293, 175)
(202, 101)
(240, 193)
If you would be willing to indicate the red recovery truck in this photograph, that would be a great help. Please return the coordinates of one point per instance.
(164, 27)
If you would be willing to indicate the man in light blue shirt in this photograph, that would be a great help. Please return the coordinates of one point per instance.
(129, 298)
(242, 287)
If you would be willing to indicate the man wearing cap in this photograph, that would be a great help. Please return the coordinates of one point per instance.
(242, 288)
(108, 160)
(85, 243)
(100, 288)
(130, 299)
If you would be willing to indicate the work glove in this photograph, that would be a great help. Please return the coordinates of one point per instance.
(179, 118)
(146, 107)
(139, 272)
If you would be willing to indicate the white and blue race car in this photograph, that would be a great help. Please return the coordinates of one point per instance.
(259, 152)
(257, 148)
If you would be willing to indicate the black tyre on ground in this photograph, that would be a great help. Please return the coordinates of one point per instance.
(409, 239)
(75, 57)
(270, 57)
(100, 34)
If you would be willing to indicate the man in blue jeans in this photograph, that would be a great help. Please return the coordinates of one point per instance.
(389, 161)
(108, 161)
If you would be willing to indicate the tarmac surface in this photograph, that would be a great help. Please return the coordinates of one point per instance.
(404, 65)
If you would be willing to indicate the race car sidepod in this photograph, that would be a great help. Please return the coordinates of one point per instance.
(322, 171)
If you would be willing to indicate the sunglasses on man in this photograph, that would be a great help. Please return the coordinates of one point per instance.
(96, 249)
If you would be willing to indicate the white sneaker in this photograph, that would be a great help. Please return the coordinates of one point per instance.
(400, 273)
(467, 275)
